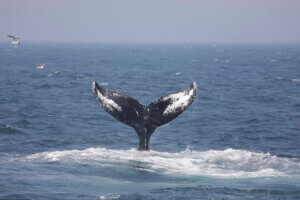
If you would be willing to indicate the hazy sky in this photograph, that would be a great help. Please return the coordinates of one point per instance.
(175, 21)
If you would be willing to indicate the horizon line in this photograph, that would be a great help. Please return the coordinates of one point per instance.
(155, 42)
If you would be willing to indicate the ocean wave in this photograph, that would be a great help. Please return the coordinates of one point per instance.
(229, 163)
(43, 86)
(288, 79)
(9, 129)
(22, 122)
(82, 77)
(53, 74)
(295, 80)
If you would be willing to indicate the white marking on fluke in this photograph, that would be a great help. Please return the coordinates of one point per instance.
(179, 100)
(107, 103)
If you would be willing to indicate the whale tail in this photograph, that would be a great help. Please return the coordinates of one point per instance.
(143, 119)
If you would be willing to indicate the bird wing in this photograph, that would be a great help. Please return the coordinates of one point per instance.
(12, 37)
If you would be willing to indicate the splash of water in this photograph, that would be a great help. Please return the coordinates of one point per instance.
(229, 163)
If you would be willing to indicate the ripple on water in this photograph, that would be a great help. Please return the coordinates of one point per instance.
(9, 129)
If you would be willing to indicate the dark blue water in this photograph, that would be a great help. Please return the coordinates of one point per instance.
(240, 139)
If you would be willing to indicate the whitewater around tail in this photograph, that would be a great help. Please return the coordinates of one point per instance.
(228, 163)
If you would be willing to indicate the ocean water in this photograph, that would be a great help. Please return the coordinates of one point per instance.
(240, 139)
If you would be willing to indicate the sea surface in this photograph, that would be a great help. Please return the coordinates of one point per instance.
(240, 139)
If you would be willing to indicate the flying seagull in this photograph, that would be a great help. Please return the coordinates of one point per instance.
(41, 66)
(15, 40)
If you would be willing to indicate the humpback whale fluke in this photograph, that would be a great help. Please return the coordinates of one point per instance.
(143, 119)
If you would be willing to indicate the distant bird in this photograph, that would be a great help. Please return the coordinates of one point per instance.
(178, 73)
(15, 40)
(41, 66)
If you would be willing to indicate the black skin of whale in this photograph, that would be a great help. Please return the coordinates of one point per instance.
(143, 119)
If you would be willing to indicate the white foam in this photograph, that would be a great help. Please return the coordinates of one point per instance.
(279, 78)
(228, 163)
(52, 74)
(8, 126)
(82, 77)
(295, 80)
(110, 196)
